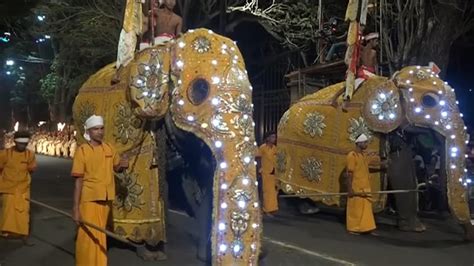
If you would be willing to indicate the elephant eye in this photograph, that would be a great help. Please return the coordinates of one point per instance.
(430, 100)
(199, 91)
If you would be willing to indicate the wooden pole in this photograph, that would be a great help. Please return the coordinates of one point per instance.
(105, 231)
(355, 194)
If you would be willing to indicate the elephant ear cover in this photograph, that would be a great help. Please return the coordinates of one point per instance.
(382, 109)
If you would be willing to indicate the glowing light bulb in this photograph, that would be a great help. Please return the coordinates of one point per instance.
(181, 44)
(214, 62)
(254, 225)
(247, 159)
(442, 103)
(204, 125)
(215, 101)
(427, 116)
(417, 109)
(224, 186)
(216, 80)
(245, 181)
(241, 204)
(221, 226)
(224, 205)
(190, 118)
(222, 248)
(180, 64)
(218, 144)
(223, 165)
(444, 114)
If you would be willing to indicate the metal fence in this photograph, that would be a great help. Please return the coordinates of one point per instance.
(271, 97)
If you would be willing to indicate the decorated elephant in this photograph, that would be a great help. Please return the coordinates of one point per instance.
(316, 134)
(193, 94)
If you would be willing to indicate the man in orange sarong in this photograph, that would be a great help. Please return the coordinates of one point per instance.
(267, 154)
(359, 214)
(16, 165)
(93, 166)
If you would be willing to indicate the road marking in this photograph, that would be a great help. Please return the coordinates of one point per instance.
(308, 252)
(290, 246)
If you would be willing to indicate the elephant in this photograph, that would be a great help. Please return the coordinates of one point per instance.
(316, 134)
(189, 98)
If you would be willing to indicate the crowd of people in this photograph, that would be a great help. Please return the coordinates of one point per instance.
(57, 144)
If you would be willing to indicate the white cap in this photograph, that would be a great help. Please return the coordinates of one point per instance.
(22, 140)
(91, 122)
(370, 36)
(361, 138)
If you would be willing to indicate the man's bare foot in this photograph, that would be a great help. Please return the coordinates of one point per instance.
(115, 79)
(344, 105)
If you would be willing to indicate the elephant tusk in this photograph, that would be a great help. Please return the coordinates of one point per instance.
(354, 194)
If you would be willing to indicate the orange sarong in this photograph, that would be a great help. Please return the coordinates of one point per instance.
(359, 214)
(91, 245)
(15, 214)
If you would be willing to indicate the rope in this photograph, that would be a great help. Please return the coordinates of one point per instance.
(105, 231)
(360, 194)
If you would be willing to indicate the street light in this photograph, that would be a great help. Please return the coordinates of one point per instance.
(10, 62)
(9, 73)
(47, 36)
(41, 17)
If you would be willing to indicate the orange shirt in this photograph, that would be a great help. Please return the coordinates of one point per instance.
(357, 163)
(95, 165)
(268, 155)
(15, 168)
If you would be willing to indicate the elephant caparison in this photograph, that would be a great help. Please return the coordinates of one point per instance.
(198, 84)
(316, 134)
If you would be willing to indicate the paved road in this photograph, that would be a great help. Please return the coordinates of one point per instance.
(290, 238)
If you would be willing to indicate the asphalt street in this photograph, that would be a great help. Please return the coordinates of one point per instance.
(290, 238)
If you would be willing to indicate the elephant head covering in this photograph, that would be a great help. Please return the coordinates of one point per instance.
(361, 138)
(91, 122)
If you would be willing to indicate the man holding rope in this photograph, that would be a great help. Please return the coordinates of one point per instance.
(16, 165)
(93, 166)
(359, 215)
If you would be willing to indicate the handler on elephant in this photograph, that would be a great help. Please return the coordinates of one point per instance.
(359, 215)
(93, 167)
(267, 155)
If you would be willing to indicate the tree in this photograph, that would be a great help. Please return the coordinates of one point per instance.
(417, 32)
(85, 36)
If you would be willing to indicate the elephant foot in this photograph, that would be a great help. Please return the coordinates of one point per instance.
(150, 255)
(468, 232)
(416, 226)
(306, 208)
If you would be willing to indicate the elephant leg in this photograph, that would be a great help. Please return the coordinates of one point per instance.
(401, 175)
(468, 231)
(204, 219)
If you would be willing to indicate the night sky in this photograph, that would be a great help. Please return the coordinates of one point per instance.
(460, 76)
